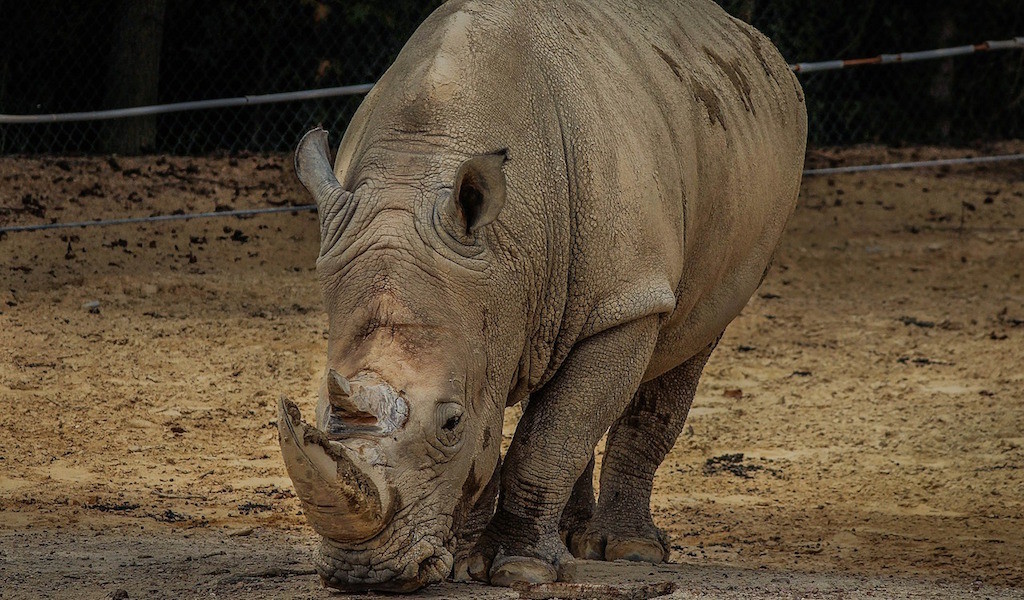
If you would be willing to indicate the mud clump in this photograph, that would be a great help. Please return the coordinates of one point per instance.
(113, 506)
(248, 508)
(730, 463)
(171, 516)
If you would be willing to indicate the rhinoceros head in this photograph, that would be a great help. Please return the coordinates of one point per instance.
(406, 434)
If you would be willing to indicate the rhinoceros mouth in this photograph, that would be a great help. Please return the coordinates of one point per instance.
(351, 570)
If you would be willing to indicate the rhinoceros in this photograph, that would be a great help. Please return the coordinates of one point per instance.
(559, 203)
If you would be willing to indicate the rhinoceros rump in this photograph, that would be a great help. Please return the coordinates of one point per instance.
(560, 203)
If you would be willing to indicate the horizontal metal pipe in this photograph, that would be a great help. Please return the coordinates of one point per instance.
(157, 218)
(942, 162)
(887, 59)
(161, 109)
(351, 90)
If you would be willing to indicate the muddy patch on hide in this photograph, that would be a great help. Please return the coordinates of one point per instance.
(472, 484)
(755, 45)
(736, 76)
(710, 100)
(487, 437)
(701, 92)
(672, 64)
(465, 505)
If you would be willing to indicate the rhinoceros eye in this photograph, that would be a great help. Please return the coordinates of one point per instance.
(450, 425)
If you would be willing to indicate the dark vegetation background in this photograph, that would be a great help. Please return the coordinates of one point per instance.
(59, 56)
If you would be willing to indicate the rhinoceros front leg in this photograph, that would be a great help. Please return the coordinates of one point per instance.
(622, 527)
(551, 448)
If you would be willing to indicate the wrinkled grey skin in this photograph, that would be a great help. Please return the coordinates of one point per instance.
(561, 203)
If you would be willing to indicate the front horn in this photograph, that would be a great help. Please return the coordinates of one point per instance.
(313, 168)
(342, 500)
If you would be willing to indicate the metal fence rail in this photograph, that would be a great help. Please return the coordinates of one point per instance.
(176, 107)
(906, 57)
(355, 90)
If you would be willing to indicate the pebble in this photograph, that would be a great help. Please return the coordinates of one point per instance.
(137, 423)
(244, 531)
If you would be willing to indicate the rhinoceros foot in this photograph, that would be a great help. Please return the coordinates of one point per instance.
(652, 546)
(506, 557)
(510, 570)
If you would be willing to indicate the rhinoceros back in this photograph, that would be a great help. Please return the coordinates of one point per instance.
(655, 150)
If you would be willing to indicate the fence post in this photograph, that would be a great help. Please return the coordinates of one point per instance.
(133, 75)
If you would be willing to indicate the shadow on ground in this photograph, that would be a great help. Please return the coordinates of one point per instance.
(263, 564)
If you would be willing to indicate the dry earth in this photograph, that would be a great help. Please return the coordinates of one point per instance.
(873, 388)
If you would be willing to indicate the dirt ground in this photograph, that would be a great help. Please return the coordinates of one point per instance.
(858, 433)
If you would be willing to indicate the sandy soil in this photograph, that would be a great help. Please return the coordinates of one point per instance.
(873, 388)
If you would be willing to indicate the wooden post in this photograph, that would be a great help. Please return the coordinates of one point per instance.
(133, 76)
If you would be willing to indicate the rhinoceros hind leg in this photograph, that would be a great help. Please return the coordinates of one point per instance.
(622, 527)
(577, 513)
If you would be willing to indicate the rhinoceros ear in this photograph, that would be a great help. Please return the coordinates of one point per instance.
(479, 191)
(313, 167)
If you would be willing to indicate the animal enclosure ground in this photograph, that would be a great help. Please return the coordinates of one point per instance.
(860, 428)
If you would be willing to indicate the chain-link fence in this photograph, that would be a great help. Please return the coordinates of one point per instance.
(59, 57)
(953, 101)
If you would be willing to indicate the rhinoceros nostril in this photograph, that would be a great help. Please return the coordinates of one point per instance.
(344, 421)
(365, 405)
(353, 417)
(351, 407)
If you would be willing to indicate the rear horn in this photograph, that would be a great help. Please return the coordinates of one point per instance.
(313, 168)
